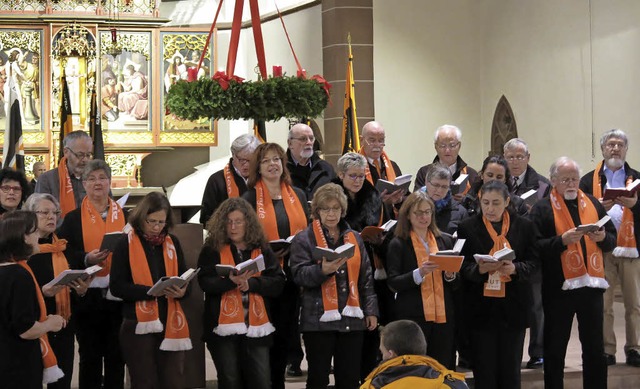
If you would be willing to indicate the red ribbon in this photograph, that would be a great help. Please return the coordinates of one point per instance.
(324, 83)
(223, 79)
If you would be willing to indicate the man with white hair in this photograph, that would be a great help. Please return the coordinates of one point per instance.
(308, 171)
(447, 142)
(231, 181)
(573, 279)
(622, 265)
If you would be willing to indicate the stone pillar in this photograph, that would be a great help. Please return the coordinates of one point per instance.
(339, 18)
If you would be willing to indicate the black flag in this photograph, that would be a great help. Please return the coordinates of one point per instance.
(95, 128)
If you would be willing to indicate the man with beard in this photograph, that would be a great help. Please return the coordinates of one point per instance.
(622, 265)
(231, 181)
(573, 279)
(447, 142)
(308, 171)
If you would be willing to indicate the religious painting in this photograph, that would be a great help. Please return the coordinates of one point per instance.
(125, 85)
(181, 54)
(20, 59)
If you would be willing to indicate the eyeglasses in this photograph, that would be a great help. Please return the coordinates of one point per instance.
(48, 213)
(241, 161)
(81, 155)
(237, 223)
(304, 139)
(271, 160)
(93, 180)
(571, 180)
(444, 146)
(156, 223)
(438, 186)
(613, 145)
(427, 212)
(9, 188)
(379, 142)
(516, 158)
(326, 211)
(356, 177)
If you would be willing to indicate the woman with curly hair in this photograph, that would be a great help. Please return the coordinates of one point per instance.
(237, 323)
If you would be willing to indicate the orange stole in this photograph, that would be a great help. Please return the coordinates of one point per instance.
(330, 287)
(626, 243)
(499, 242)
(576, 274)
(93, 230)
(231, 318)
(67, 200)
(388, 168)
(230, 182)
(147, 315)
(60, 264)
(51, 372)
(431, 288)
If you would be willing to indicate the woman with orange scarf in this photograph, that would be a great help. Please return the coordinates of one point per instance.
(155, 333)
(60, 300)
(424, 294)
(338, 299)
(98, 315)
(26, 358)
(497, 294)
(237, 318)
(282, 210)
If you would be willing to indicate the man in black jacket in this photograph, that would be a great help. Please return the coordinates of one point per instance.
(572, 274)
(623, 264)
(308, 171)
(525, 178)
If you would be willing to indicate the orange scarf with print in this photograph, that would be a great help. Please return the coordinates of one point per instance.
(230, 182)
(431, 288)
(60, 264)
(388, 168)
(330, 287)
(626, 245)
(51, 372)
(67, 200)
(267, 214)
(499, 242)
(93, 230)
(231, 318)
(468, 187)
(576, 274)
(176, 336)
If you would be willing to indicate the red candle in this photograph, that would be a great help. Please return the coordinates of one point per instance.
(302, 73)
(192, 74)
(114, 37)
(277, 71)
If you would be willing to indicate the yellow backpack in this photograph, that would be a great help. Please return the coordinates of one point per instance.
(411, 372)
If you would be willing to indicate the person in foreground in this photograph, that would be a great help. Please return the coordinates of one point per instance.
(338, 299)
(26, 358)
(238, 327)
(48, 263)
(402, 344)
(155, 333)
(573, 277)
(423, 293)
(498, 293)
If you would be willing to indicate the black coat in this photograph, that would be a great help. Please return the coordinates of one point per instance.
(450, 215)
(307, 273)
(401, 262)
(215, 192)
(365, 209)
(310, 179)
(534, 180)
(421, 175)
(551, 246)
(512, 311)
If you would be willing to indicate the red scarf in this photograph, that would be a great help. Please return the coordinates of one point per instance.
(431, 288)
(60, 264)
(330, 287)
(51, 372)
(576, 274)
(231, 319)
(176, 337)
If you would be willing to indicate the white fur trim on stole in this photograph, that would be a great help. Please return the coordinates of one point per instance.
(51, 374)
(625, 252)
(261, 330)
(332, 315)
(176, 344)
(230, 329)
(380, 274)
(585, 281)
(149, 327)
(352, 311)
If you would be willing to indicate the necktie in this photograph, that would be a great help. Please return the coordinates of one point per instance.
(515, 184)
